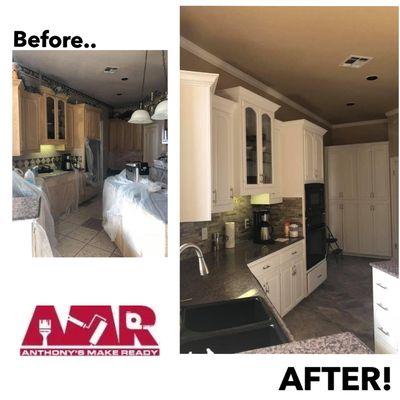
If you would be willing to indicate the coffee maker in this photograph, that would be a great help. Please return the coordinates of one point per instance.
(263, 230)
(66, 164)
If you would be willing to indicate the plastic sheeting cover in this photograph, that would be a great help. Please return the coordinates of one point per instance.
(23, 188)
(120, 193)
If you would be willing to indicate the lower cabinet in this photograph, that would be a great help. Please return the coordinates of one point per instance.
(282, 276)
(386, 312)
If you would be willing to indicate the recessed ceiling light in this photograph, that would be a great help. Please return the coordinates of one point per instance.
(110, 70)
(124, 79)
(350, 104)
(119, 94)
(371, 78)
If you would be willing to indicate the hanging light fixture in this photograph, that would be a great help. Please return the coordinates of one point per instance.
(161, 111)
(141, 116)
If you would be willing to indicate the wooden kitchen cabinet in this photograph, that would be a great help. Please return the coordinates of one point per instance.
(86, 124)
(222, 154)
(26, 120)
(69, 139)
(152, 141)
(255, 149)
(313, 156)
(92, 122)
(124, 136)
(196, 90)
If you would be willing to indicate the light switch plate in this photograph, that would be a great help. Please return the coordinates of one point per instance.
(247, 223)
(204, 233)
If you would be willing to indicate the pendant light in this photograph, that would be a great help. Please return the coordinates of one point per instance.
(141, 116)
(161, 111)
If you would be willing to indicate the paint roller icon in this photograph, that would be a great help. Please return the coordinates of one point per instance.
(100, 328)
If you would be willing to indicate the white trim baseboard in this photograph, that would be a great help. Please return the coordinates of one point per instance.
(230, 69)
(360, 123)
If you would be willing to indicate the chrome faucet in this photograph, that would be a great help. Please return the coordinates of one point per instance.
(202, 264)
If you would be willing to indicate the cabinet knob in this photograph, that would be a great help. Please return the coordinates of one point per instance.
(231, 191)
(266, 266)
(267, 287)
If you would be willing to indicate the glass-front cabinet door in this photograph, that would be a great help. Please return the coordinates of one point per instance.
(251, 146)
(61, 119)
(50, 118)
(266, 150)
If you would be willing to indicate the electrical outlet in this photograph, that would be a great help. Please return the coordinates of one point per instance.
(247, 223)
(204, 233)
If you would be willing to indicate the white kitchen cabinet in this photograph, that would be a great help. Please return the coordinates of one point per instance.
(359, 198)
(341, 172)
(386, 312)
(313, 156)
(317, 276)
(222, 154)
(282, 275)
(195, 145)
(301, 144)
(255, 148)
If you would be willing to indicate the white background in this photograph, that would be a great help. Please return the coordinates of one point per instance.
(27, 282)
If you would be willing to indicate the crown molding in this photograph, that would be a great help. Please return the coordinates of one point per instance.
(392, 112)
(360, 123)
(230, 69)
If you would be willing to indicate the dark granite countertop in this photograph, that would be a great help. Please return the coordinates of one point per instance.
(391, 267)
(25, 207)
(55, 173)
(341, 343)
(229, 277)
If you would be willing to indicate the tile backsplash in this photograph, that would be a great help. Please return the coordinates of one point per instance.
(289, 209)
(26, 163)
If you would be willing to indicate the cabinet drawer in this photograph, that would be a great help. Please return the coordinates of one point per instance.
(382, 347)
(384, 281)
(265, 265)
(293, 252)
(316, 276)
(385, 332)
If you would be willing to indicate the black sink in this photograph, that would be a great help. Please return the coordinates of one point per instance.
(237, 341)
(229, 327)
(224, 315)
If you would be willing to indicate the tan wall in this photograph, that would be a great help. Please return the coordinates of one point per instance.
(191, 62)
(393, 135)
(358, 134)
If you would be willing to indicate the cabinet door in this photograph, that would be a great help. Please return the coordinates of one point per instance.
(298, 276)
(92, 124)
(30, 108)
(336, 220)
(381, 231)
(364, 173)
(335, 175)
(318, 158)
(266, 158)
(350, 227)
(61, 119)
(348, 160)
(138, 137)
(380, 172)
(308, 157)
(250, 126)
(50, 118)
(120, 134)
(222, 160)
(129, 133)
(273, 289)
(365, 228)
(69, 139)
(286, 288)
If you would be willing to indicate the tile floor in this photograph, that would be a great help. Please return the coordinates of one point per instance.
(343, 303)
(81, 234)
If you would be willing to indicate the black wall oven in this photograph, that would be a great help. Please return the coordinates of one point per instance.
(315, 223)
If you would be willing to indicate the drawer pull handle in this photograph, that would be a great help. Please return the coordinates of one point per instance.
(319, 276)
(295, 252)
(382, 286)
(382, 306)
(383, 331)
(266, 267)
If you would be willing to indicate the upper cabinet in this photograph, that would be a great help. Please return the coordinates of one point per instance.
(124, 136)
(313, 155)
(302, 156)
(26, 120)
(196, 90)
(54, 114)
(86, 124)
(222, 154)
(255, 147)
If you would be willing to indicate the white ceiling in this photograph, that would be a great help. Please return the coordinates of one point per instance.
(83, 71)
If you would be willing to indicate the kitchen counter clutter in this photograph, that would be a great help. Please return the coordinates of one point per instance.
(341, 343)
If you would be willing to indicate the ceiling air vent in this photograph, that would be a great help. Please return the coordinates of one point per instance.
(110, 70)
(355, 61)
